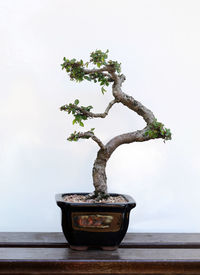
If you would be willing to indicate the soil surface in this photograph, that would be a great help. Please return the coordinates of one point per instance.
(82, 199)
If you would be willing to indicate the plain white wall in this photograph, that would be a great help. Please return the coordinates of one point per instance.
(158, 44)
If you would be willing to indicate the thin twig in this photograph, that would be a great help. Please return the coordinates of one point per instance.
(93, 115)
(91, 135)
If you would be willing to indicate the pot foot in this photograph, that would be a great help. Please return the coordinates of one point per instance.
(109, 248)
(79, 248)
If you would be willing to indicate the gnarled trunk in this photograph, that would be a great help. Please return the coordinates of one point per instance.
(99, 174)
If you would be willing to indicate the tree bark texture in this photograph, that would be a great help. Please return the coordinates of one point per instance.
(99, 173)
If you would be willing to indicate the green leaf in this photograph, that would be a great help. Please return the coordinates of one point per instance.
(76, 102)
(81, 124)
(89, 108)
(74, 121)
(87, 77)
(103, 90)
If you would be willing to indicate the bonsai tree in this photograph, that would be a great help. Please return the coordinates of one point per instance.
(105, 72)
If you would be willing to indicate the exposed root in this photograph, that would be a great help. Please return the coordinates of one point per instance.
(98, 196)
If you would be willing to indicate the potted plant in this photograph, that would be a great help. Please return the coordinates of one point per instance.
(101, 219)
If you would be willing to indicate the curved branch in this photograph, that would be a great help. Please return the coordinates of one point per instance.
(93, 115)
(95, 70)
(98, 141)
(130, 102)
(106, 68)
(86, 135)
(136, 106)
(136, 136)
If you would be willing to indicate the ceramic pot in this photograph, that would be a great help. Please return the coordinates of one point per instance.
(95, 224)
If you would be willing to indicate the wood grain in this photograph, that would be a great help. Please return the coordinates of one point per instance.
(131, 240)
(140, 253)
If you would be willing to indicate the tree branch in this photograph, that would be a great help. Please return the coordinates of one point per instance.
(136, 136)
(95, 70)
(93, 115)
(130, 102)
(107, 68)
(98, 141)
(86, 135)
(138, 107)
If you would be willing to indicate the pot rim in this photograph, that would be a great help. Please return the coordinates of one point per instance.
(129, 200)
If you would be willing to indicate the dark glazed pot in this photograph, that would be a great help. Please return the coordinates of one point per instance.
(95, 224)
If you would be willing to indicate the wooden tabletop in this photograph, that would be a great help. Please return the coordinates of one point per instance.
(139, 253)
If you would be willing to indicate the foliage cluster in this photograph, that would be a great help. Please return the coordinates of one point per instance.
(157, 129)
(78, 113)
(78, 71)
(102, 74)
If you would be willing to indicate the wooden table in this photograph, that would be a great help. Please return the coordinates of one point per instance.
(139, 253)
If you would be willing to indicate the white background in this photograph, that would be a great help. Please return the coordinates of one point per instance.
(158, 44)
